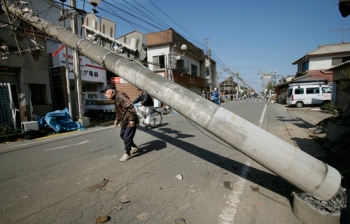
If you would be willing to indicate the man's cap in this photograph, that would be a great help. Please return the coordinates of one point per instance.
(106, 87)
(215, 89)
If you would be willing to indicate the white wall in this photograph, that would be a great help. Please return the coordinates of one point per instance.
(157, 51)
(323, 62)
(320, 63)
(165, 50)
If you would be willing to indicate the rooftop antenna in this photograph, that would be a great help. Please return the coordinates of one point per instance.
(342, 38)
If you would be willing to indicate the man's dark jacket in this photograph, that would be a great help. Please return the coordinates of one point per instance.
(125, 110)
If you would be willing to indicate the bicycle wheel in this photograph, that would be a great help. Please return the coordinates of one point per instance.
(156, 119)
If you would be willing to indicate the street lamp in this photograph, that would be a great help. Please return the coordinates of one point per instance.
(173, 57)
(184, 49)
(94, 3)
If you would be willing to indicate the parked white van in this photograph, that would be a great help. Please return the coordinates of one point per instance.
(313, 94)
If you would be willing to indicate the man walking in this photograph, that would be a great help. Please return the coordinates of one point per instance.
(125, 116)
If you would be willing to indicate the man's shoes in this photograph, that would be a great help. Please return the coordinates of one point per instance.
(124, 158)
(134, 150)
(148, 126)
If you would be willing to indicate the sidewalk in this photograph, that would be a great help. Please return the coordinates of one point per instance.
(301, 129)
(316, 144)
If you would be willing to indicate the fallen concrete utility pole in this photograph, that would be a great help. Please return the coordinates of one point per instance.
(292, 164)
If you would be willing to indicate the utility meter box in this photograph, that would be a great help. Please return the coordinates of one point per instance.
(30, 125)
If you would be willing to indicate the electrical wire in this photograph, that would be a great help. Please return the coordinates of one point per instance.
(151, 14)
(200, 44)
(128, 13)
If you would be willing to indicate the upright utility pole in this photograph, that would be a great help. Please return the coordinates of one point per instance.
(209, 61)
(76, 63)
(67, 67)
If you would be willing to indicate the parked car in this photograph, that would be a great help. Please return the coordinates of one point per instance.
(95, 106)
(313, 94)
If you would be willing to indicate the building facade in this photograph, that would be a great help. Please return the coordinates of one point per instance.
(24, 69)
(314, 67)
(324, 57)
(166, 57)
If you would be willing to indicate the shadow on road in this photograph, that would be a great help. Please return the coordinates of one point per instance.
(262, 178)
(155, 145)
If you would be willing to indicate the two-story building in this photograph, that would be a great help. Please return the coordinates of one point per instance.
(313, 66)
(24, 69)
(164, 53)
(167, 57)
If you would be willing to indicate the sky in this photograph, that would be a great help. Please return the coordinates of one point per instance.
(250, 37)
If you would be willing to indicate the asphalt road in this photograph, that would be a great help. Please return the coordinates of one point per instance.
(180, 171)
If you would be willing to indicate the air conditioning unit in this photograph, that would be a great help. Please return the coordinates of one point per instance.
(30, 125)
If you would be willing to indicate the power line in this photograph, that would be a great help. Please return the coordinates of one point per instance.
(200, 44)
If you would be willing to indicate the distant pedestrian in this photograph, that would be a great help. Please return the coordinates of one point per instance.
(203, 94)
(216, 95)
(211, 96)
(125, 116)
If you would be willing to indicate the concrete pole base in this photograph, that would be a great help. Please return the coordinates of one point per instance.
(308, 214)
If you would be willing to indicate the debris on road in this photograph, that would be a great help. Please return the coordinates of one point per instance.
(179, 176)
(143, 216)
(104, 218)
(228, 185)
(122, 200)
(276, 199)
(99, 186)
(180, 221)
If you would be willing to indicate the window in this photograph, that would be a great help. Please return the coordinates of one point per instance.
(38, 94)
(299, 91)
(326, 90)
(158, 62)
(194, 69)
(51, 64)
(180, 65)
(313, 90)
(339, 60)
(336, 61)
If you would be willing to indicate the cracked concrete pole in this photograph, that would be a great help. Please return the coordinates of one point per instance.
(297, 167)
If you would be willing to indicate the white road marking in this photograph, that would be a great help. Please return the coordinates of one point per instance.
(80, 143)
(262, 116)
(228, 213)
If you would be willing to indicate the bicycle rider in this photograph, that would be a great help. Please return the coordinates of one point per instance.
(146, 105)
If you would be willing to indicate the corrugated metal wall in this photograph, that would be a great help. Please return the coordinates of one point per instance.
(129, 89)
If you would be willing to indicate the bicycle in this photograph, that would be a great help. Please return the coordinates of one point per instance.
(156, 116)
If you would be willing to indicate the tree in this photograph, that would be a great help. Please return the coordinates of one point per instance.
(269, 87)
(344, 7)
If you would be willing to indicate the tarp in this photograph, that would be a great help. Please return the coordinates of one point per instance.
(59, 121)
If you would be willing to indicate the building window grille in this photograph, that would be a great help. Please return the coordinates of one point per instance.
(194, 69)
